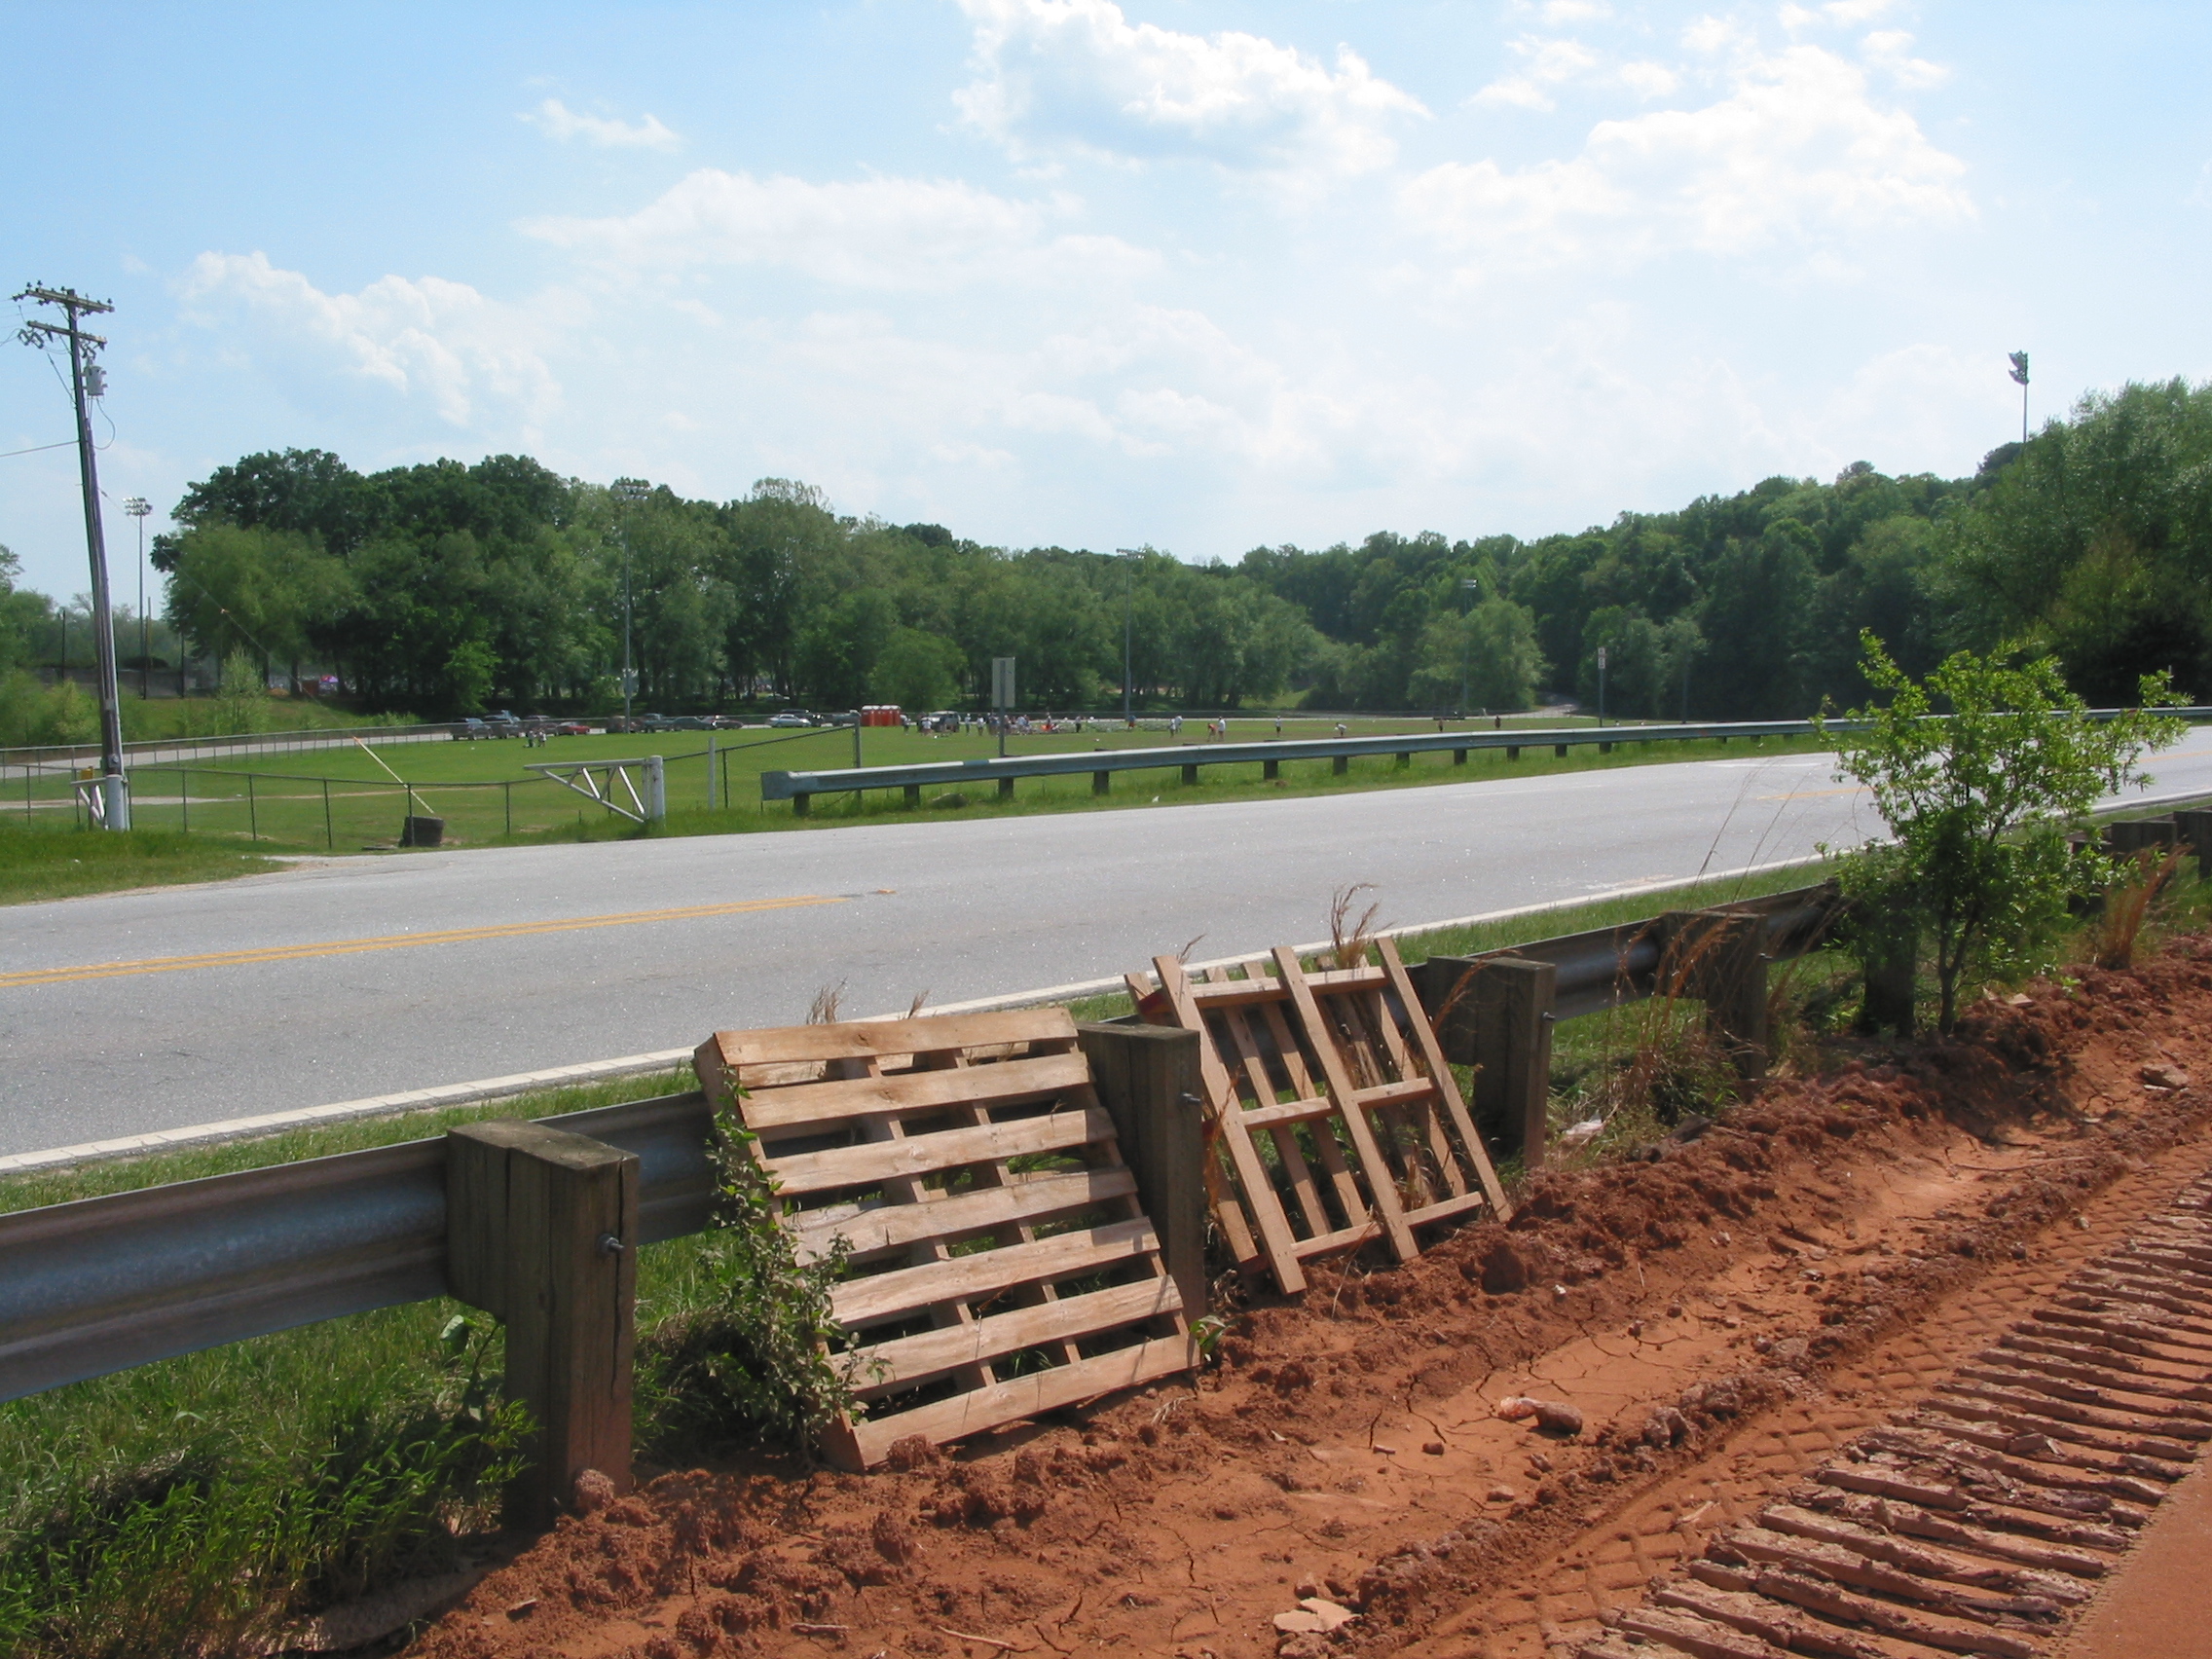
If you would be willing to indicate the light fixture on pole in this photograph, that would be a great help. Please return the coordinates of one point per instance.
(1129, 577)
(1467, 585)
(138, 506)
(627, 494)
(88, 381)
(2020, 378)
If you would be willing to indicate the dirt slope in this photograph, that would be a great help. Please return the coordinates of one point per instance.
(1721, 1317)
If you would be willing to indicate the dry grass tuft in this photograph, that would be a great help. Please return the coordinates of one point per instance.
(823, 1010)
(2127, 905)
(1349, 950)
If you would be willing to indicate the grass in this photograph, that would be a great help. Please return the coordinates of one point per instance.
(41, 861)
(347, 801)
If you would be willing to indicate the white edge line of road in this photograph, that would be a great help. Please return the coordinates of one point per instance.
(668, 1060)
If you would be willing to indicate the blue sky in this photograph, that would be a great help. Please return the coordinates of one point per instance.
(1202, 276)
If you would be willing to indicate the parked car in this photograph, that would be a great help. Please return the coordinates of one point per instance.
(792, 717)
(573, 728)
(471, 728)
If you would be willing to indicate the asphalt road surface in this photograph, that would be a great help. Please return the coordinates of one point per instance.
(350, 977)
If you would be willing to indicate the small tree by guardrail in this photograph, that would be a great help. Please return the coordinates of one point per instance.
(1980, 799)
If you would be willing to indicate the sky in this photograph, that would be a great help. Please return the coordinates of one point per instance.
(1182, 273)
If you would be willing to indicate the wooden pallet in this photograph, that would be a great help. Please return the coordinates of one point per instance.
(1342, 1073)
(1001, 1264)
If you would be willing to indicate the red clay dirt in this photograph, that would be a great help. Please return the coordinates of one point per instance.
(1722, 1316)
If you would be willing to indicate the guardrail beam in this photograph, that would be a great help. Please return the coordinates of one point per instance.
(542, 1232)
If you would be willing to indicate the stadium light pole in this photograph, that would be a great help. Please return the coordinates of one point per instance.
(1130, 555)
(2020, 378)
(138, 506)
(627, 494)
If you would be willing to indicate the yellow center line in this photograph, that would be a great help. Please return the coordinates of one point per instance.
(390, 941)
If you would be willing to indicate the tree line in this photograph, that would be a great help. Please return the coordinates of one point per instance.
(444, 588)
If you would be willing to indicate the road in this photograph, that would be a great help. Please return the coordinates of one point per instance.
(337, 980)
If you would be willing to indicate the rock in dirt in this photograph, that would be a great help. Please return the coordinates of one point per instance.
(1557, 1416)
(593, 1492)
(2166, 1077)
(1315, 1616)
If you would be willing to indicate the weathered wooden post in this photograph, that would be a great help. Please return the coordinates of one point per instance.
(1147, 1077)
(1719, 957)
(1495, 1013)
(1890, 951)
(2195, 827)
(541, 1233)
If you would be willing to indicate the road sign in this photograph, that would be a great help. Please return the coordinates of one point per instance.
(1002, 682)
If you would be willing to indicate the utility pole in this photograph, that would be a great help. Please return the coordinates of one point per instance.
(627, 493)
(1469, 585)
(1129, 577)
(89, 380)
(1601, 684)
(138, 506)
(2020, 378)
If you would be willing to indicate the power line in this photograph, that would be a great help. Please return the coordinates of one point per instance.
(66, 443)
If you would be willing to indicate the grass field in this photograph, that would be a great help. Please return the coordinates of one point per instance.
(350, 799)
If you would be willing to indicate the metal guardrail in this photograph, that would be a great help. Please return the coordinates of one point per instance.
(103, 1284)
(798, 788)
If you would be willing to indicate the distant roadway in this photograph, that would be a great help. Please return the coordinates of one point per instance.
(347, 977)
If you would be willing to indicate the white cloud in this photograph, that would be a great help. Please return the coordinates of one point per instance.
(1546, 64)
(1888, 51)
(1648, 80)
(874, 232)
(1078, 74)
(556, 120)
(428, 336)
(1800, 151)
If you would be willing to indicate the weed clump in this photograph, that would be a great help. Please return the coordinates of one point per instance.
(748, 1357)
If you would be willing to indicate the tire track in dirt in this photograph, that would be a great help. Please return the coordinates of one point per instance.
(1982, 1519)
(1669, 1524)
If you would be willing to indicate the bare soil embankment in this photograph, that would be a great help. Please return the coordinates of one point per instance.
(1723, 1316)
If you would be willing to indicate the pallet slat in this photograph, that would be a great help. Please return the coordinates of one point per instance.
(882, 1366)
(892, 1227)
(990, 1273)
(932, 1155)
(1025, 1397)
(807, 1105)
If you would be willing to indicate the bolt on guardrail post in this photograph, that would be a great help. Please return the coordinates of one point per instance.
(542, 1232)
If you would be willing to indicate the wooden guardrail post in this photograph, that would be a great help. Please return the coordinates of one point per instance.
(1495, 1013)
(542, 1232)
(1147, 1077)
(1719, 957)
(2195, 827)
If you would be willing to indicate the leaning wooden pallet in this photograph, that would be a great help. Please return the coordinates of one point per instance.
(1000, 1263)
(1341, 1071)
